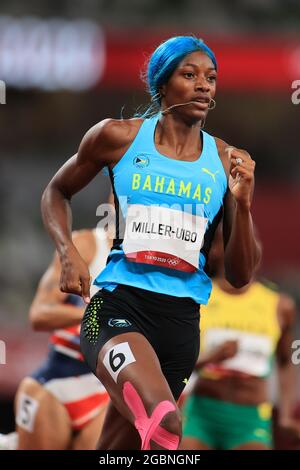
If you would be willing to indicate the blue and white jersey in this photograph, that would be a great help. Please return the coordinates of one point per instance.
(167, 212)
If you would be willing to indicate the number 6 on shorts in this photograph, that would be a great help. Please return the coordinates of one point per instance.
(118, 357)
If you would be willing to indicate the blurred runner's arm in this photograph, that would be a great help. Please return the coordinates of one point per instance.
(48, 310)
(224, 351)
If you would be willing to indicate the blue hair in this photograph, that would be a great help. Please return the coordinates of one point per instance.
(168, 55)
(162, 64)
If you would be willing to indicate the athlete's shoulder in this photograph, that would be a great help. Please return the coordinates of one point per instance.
(109, 138)
(268, 285)
(116, 132)
(266, 290)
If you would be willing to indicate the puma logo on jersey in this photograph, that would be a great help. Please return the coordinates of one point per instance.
(213, 175)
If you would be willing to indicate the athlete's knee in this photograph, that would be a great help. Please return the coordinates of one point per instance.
(149, 423)
(172, 423)
(170, 416)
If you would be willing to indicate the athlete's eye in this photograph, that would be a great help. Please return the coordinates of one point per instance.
(212, 78)
(189, 74)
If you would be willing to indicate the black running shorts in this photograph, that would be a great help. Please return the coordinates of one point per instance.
(170, 324)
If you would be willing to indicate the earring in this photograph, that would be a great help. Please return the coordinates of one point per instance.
(214, 104)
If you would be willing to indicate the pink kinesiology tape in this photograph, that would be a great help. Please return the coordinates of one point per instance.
(148, 427)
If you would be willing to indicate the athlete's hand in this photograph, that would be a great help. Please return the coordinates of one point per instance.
(225, 351)
(75, 277)
(241, 176)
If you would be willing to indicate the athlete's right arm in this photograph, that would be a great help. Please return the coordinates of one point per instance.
(102, 145)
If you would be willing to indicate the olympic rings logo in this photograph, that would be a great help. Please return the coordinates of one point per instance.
(173, 261)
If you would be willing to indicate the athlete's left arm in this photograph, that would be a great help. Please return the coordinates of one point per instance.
(242, 251)
(286, 369)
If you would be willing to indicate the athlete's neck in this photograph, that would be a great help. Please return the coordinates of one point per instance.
(173, 136)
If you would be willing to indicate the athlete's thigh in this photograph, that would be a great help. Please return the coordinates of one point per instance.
(42, 422)
(88, 436)
(118, 433)
(114, 342)
(129, 357)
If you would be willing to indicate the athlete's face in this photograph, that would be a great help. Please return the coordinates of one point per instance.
(193, 80)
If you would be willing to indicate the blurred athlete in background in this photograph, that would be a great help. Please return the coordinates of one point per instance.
(62, 404)
(241, 332)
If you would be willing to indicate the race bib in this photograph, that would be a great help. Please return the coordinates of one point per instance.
(253, 355)
(27, 409)
(163, 237)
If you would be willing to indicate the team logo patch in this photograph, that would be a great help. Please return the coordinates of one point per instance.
(119, 322)
(141, 161)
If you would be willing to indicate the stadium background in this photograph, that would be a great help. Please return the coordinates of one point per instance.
(69, 64)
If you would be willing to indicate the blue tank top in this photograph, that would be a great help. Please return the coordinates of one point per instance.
(145, 180)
